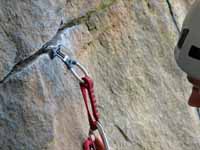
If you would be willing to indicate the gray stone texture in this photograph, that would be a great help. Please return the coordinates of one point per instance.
(127, 47)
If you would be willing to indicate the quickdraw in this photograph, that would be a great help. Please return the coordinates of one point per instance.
(87, 89)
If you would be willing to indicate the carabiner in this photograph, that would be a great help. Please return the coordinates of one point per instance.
(76, 74)
(103, 135)
(88, 88)
(89, 144)
(70, 63)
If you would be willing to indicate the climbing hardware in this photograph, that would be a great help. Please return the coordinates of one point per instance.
(92, 142)
(187, 51)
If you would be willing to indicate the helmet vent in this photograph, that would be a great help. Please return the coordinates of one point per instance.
(182, 38)
(194, 52)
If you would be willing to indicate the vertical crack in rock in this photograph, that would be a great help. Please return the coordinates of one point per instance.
(172, 15)
(123, 134)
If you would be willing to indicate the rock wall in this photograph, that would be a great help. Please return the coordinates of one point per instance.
(127, 47)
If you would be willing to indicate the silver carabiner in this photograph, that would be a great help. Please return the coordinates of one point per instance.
(103, 135)
(77, 76)
(70, 63)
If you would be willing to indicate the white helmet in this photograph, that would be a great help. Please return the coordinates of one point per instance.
(187, 52)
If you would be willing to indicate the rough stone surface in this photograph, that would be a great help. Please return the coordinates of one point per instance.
(127, 46)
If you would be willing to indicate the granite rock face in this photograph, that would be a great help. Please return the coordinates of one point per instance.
(127, 47)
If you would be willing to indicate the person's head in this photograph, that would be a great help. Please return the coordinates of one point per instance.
(187, 51)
